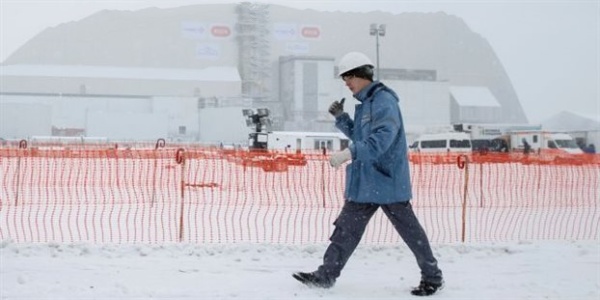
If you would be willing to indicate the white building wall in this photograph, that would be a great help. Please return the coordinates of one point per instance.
(75, 113)
(72, 112)
(324, 87)
(297, 104)
(181, 112)
(326, 93)
(224, 125)
(479, 114)
(423, 103)
(127, 125)
(23, 120)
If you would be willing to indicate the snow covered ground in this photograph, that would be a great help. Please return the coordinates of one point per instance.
(525, 270)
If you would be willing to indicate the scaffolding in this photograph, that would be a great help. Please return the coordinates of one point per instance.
(254, 55)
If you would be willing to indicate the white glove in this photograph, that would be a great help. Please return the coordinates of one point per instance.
(338, 158)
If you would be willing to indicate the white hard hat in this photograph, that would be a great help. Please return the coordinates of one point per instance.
(352, 61)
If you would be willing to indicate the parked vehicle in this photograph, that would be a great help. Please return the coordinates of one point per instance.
(543, 142)
(442, 142)
(512, 138)
(293, 141)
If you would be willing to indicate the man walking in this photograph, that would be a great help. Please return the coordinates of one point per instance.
(377, 177)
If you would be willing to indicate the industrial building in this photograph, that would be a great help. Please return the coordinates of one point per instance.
(186, 73)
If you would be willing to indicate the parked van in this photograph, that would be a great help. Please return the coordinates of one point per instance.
(442, 142)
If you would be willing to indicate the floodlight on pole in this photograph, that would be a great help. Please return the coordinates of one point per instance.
(261, 123)
(377, 30)
(263, 112)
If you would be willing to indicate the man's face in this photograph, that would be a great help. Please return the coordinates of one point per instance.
(355, 84)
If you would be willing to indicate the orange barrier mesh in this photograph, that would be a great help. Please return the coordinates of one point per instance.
(154, 194)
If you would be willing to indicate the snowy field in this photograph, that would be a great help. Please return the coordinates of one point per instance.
(540, 270)
(243, 241)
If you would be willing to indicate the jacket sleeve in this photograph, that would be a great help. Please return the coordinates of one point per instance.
(385, 126)
(345, 124)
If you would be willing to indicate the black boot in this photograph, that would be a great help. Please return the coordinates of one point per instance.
(427, 288)
(312, 280)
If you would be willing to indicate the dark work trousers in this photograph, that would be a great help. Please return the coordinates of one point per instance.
(350, 226)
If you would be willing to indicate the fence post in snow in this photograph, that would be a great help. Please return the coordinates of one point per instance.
(22, 145)
(462, 162)
(180, 159)
(160, 143)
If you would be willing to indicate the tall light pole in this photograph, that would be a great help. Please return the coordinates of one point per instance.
(377, 30)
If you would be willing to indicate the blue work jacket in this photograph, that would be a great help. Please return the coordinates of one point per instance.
(379, 172)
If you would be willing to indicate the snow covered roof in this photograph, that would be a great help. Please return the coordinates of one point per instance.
(473, 96)
(82, 71)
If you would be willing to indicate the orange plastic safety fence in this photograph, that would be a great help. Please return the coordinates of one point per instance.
(158, 193)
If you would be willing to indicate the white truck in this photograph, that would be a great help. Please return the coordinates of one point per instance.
(294, 141)
(492, 136)
(543, 142)
(511, 137)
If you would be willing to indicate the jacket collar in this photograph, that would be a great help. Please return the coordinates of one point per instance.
(368, 91)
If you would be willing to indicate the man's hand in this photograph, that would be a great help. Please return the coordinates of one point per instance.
(337, 108)
(338, 158)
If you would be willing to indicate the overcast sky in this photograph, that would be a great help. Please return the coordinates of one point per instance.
(550, 49)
